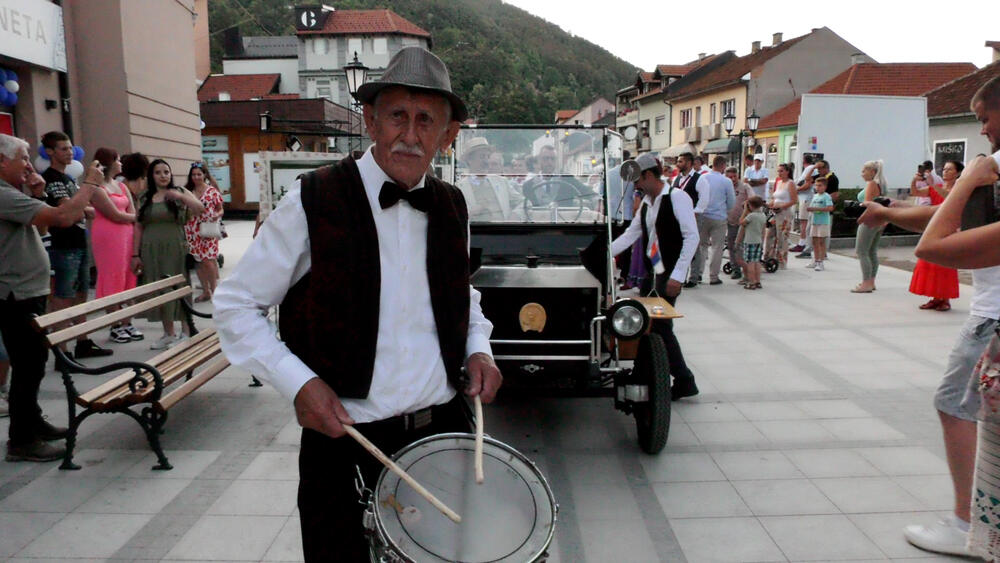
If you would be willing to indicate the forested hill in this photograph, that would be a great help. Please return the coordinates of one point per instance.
(508, 65)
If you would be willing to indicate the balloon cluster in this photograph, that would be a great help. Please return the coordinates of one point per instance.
(8, 94)
(74, 169)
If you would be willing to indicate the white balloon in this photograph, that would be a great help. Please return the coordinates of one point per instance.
(75, 169)
(40, 164)
(12, 86)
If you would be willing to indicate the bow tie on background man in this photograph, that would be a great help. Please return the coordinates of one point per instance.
(391, 194)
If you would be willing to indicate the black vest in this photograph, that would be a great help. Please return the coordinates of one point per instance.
(329, 319)
(669, 238)
(691, 187)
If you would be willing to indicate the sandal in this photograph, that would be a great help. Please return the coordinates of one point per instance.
(944, 306)
(203, 298)
(857, 289)
(932, 304)
(757, 285)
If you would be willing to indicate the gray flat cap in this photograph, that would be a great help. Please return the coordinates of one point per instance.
(415, 67)
(646, 161)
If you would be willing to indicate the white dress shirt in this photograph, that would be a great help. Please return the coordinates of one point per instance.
(754, 174)
(703, 188)
(409, 371)
(683, 211)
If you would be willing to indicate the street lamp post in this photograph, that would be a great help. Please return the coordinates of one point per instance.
(356, 73)
(729, 123)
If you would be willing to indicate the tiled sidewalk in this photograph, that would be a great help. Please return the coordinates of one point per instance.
(813, 439)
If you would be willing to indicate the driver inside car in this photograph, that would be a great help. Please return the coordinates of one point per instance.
(550, 186)
(489, 197)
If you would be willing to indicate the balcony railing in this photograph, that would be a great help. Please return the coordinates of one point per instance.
(711, 132)
(692, 134)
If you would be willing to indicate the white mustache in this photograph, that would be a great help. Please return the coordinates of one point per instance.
(400, 146)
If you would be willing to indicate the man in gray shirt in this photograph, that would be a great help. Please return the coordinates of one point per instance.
(24, 285)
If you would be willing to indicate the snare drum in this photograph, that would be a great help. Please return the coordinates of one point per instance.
(510, 517)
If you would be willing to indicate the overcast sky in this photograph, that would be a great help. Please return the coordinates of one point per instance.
(650, 32)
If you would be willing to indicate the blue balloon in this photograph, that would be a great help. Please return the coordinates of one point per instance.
(13, 99)
(5, 97)
(11, 75)
(3, 75)
(78, 153)
(41, 152)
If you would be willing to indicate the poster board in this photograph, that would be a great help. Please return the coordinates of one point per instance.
(278, 170)
(945, 150)
(215, 155)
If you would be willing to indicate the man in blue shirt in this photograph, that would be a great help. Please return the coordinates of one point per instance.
(712, 226)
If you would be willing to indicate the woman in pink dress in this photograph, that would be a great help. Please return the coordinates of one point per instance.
(205, 250)
(111, 237)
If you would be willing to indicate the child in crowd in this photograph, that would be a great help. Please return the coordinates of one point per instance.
(753, 221)
(820, 206)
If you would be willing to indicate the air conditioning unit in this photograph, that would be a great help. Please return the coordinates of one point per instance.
(692, 134)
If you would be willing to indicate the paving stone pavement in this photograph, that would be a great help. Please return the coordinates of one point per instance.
(813, 439)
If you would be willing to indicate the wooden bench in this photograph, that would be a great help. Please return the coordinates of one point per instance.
(154, 386)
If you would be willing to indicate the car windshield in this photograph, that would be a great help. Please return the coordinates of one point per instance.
(532, 175)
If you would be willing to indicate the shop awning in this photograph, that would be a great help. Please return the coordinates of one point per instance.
(677, 150)
(723, 146)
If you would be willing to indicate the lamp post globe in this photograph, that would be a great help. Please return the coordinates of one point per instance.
(753, 120)
(356, 73)
(729, 123)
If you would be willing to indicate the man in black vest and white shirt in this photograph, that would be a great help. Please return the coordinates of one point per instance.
(691, 180)
(375, 326)
(665, 220)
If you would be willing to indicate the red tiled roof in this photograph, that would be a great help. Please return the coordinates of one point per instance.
(239, 86)
(353, 22)
(566, 114)
(953, 97)
(731, 71)
(652, 92)
(875, 79)
(674, 70)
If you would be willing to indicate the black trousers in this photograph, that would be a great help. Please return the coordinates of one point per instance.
(28, 354)
(329, 507)
(678, 367)
(625, 258)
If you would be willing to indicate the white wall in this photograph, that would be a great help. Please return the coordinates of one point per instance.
(967, 129)
(287, 68)
(851, 130)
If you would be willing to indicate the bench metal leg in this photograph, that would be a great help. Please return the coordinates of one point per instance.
(254, 382)
(153, 425)
(74, 423)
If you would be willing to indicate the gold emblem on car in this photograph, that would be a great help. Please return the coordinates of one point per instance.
(532, 317)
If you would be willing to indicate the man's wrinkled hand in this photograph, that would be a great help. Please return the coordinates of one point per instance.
(673, 288)
(35, 184)
(874, 216)
(484, 377)
(317, 407)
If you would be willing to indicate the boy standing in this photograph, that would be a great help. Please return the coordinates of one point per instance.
(820, 206)
(753, 221)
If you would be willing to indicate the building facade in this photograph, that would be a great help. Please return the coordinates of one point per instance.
(83, 68)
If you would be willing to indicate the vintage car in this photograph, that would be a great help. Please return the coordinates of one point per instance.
(539, 207)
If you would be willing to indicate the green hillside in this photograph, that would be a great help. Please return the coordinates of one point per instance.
(508, 65)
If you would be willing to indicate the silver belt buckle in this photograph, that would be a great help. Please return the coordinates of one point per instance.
(422, 418)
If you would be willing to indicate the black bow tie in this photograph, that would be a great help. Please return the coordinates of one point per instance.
(392, 193)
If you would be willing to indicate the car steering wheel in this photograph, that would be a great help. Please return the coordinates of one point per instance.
(555, 186)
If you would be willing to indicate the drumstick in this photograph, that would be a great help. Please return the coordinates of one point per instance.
(479, 440)
(391, 465)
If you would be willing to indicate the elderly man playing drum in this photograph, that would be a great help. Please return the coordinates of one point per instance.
(377, 315)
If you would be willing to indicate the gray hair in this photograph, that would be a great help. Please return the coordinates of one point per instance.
(9, 145)
(732, 169)
(876, 166)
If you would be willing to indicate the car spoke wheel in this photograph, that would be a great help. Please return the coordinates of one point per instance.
(652, 418)
(771, 265)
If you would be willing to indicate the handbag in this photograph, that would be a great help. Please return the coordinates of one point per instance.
(210, 229)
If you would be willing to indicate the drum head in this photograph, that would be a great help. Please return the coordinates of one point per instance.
(511, 516)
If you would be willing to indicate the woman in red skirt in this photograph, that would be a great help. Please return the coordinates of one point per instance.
(937, 282)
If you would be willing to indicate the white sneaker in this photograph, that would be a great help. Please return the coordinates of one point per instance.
(819, 267)
(944, 536)
(811, 264)
(165, 341)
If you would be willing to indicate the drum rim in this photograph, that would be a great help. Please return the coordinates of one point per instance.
(373, 501)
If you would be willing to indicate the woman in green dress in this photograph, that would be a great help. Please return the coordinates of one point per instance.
(159, 246)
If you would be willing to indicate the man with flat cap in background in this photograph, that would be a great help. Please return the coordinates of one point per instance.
(375, 328)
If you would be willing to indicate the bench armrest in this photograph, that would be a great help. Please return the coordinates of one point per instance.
(135, 384)
(189, 308)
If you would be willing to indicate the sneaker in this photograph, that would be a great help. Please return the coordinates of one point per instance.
(47, 432)
(811, 264)
(715, 282)
(86, 348)
(804, 254)
(119, 335)
(819, 267)
(165, 341)
(35, 451)
(134, 333)
(944, 536)
(797, 248)
(691, 284)
(683, 387)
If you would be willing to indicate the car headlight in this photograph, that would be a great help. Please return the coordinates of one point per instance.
(629, 319)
